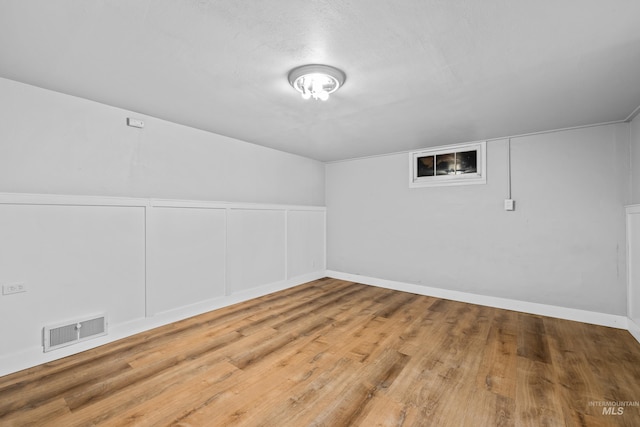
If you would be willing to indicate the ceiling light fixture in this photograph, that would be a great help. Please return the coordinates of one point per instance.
(316, 81)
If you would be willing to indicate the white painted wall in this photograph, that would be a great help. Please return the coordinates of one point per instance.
(144, 262)
(256, 244)
(635, 159)
(563, 246)
(185, 256)
(52, 143)
(305, 242)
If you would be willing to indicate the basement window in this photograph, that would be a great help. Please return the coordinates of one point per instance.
(458, 164)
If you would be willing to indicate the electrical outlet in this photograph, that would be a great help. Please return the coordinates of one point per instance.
(14, 288)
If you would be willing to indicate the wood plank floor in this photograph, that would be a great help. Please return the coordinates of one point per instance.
(336, 353)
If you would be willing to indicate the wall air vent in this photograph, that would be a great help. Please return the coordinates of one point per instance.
(74, 331)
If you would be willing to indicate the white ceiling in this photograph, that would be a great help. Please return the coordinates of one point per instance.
(419, 72)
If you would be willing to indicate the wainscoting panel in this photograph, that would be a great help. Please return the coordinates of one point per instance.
(633, 265)
(255, 248)
(305, 242)
(185, 256)
(142, 263)
(74, 261)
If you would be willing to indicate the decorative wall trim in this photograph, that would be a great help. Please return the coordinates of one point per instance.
(69, 200)
(632, 281)
(78, 200)
(591, 317)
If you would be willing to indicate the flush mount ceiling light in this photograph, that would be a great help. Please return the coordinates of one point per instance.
(316, 81)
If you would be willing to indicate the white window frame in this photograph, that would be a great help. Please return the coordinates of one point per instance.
(480, 177)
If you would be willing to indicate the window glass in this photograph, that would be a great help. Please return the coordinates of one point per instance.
(466, 162)
(446, 164)
(425, 166)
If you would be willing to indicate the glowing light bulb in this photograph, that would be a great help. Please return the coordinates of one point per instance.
(316, 81)
(317, 85)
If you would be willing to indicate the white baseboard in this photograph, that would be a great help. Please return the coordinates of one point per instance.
(34, 356)
(634, 329)
(592, 317)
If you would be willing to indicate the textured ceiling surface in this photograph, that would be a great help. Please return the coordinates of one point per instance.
(420, 73)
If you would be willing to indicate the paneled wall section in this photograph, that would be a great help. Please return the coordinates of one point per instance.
(144, 262)
(633, 262)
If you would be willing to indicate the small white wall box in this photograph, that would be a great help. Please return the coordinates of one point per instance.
(135, 123)
(509, 205)
(74, 331)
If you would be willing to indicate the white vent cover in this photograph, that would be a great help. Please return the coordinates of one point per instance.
(74, 331)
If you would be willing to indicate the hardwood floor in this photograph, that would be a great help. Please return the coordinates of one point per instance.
(336, 353)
